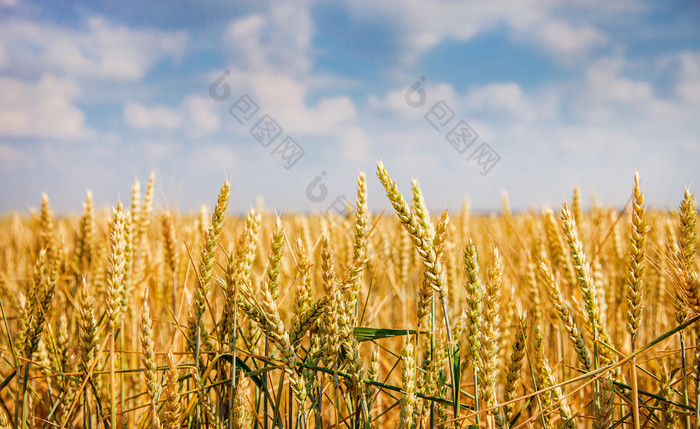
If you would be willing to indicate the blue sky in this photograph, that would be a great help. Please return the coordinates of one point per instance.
(551, 94)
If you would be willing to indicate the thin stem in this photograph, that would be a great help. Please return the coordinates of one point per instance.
(25, 379)
(198, 414)
(174, 276)
(476, 393)
(264, 377)
(113, 393)
(635, 390)
(455, 382)
(233, 358)
(697, 408)
(686, 419)
(122, 393)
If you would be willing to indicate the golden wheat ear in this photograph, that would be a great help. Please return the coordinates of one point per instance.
(408, 390)
(684, 274)
(171, 408)
(634, 286)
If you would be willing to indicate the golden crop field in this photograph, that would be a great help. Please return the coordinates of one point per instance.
(142, 318)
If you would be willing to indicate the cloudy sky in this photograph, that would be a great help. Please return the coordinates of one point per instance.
(290, 101)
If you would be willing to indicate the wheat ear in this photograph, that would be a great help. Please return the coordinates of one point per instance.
(275, 260)
(546, 380)
(304, 291)
(515, 366)
(421, 209)
(586, 284)
(46, 220)
(372, 374)
(85, 238)
(576, 205)
(167, 226)
(351, 278)
(490, 329)
(557, 249)
(423, 243)
(408, 391)
(327, 264)
(566, 317)
(668, 416)
(205, 402)
(171, 413)
(687, 236)
(474, 298)
(266, 316)
(149, 358)
(197, 334)
(140, 229)
(241, 410)
(87, 328)
(686, 279)
(607, 396)
(115, 283)
(634, 282)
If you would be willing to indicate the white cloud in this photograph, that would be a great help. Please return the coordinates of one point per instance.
(244, 36)
(195, 116)
(8, 3)
(507, 97)
(160, 149)
(199, 115)
(102, 50)
(284, 98)
(423, 25)
(395, 99)
(44, 108)
(154, 117)
(355, 144)
(278, 39)
(605, 84)
(215, 156)
(593, 128)
(271, 56)
(485, 101)
(688, 86)
(568, 42)
(692, 145)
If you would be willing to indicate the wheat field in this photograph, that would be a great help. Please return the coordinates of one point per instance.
(142, 318)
